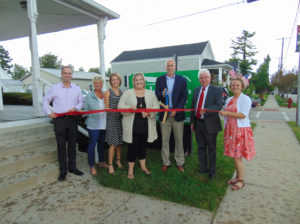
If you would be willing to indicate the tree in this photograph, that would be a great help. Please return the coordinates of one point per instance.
(284, 82)
(244, 51)
(108, 72)
(81, 69)
(50, 61)
(19, 71)
(261, 78)
(95, 69)
(5, 60)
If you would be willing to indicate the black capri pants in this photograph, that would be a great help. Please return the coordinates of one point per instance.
(137, 147)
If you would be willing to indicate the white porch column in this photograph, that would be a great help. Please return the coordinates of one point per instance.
(220, 76)
(101, 37)
(36, 90)
(1, 97)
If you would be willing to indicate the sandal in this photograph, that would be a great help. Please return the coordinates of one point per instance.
(113, 172)
(233, 181)
(102, 165)
(236, 187)
(93, 172)
(130, 176)
(147, 172)
(119, 165)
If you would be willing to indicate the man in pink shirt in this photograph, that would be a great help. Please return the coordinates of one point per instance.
(65, 97)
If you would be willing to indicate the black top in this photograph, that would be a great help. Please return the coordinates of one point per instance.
(140, 124)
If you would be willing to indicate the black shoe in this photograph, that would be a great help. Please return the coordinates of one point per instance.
(201, 171)
(62, 177)
(76, 172)
(211, 175)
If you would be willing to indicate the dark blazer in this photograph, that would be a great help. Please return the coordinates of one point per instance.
(179, 94)
(213, 101)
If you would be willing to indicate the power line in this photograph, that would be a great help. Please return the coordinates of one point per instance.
(293, 29)
(195, 13)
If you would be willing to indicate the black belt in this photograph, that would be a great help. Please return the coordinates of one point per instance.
(67, 116)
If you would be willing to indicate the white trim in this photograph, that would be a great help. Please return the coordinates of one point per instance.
(140, 61)
(24, 122)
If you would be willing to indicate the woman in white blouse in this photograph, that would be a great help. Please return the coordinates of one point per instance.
(238, 135)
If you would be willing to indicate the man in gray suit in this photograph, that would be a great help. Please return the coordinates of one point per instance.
(205, 124)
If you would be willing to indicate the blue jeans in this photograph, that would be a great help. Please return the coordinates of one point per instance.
(96, 136)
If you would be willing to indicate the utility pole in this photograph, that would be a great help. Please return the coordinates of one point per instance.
(281, 57)
(298, 89)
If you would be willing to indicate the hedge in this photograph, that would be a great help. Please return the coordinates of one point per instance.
(17, 98)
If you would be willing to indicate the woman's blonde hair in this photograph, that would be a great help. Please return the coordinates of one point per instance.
(116, 75)
(139, 74)
(239, 79)
(98, 78)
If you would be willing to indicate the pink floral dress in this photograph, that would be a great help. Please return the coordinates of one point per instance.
(238, 142)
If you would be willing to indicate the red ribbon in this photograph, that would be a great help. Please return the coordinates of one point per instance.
(140, 110)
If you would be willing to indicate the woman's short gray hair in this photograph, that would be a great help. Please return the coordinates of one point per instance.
(97, 78)
(203, 71)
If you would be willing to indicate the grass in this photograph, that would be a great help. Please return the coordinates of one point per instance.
(283, 102)
(189, 188)
(295, 129)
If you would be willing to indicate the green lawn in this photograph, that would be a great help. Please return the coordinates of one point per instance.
(283, 102)
(188, 188)
(295, 129)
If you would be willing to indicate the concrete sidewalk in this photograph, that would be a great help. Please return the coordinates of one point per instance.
(271, 194)
(272, 179)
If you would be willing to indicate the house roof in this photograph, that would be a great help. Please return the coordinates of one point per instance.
(4, 75)
(10, 82)
(162, 52)
(209, 62)
(52, 16)
(76, 75)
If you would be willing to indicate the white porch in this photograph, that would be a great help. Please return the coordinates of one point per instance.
(19, 18)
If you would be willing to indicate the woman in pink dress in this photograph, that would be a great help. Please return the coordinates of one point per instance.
(238, 135)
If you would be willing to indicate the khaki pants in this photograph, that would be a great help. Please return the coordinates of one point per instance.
(166, 129)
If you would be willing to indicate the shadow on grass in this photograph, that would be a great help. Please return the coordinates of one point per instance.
(189, 188)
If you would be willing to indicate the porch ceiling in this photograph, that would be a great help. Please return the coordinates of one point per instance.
(54, 15)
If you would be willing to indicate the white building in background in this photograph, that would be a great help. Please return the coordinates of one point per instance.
(51, 76)
(188, 57)
(8, 84)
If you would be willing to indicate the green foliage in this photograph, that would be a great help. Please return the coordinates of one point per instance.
(98, 70)
(19, 71)
(283, 102)
(81, 69)
(17, 98)
(244, 51)
(188, 188)
(284, 82)
(50, 61)
(261, 78)
(295, 129)
(5, 60)
(95, 69)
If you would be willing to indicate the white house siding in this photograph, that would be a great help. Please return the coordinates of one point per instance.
(50, 77)
(187, 63)
(208, 53)
(144, 66)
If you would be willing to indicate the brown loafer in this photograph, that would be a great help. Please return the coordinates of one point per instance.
(180, 168)
(164, 168)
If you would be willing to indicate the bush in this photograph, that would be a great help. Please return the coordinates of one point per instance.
(17, 98)
(283, 102)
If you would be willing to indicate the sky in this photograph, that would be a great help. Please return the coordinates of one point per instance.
(140, 27)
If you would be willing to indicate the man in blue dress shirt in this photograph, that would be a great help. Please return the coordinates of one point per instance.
(176, 87)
